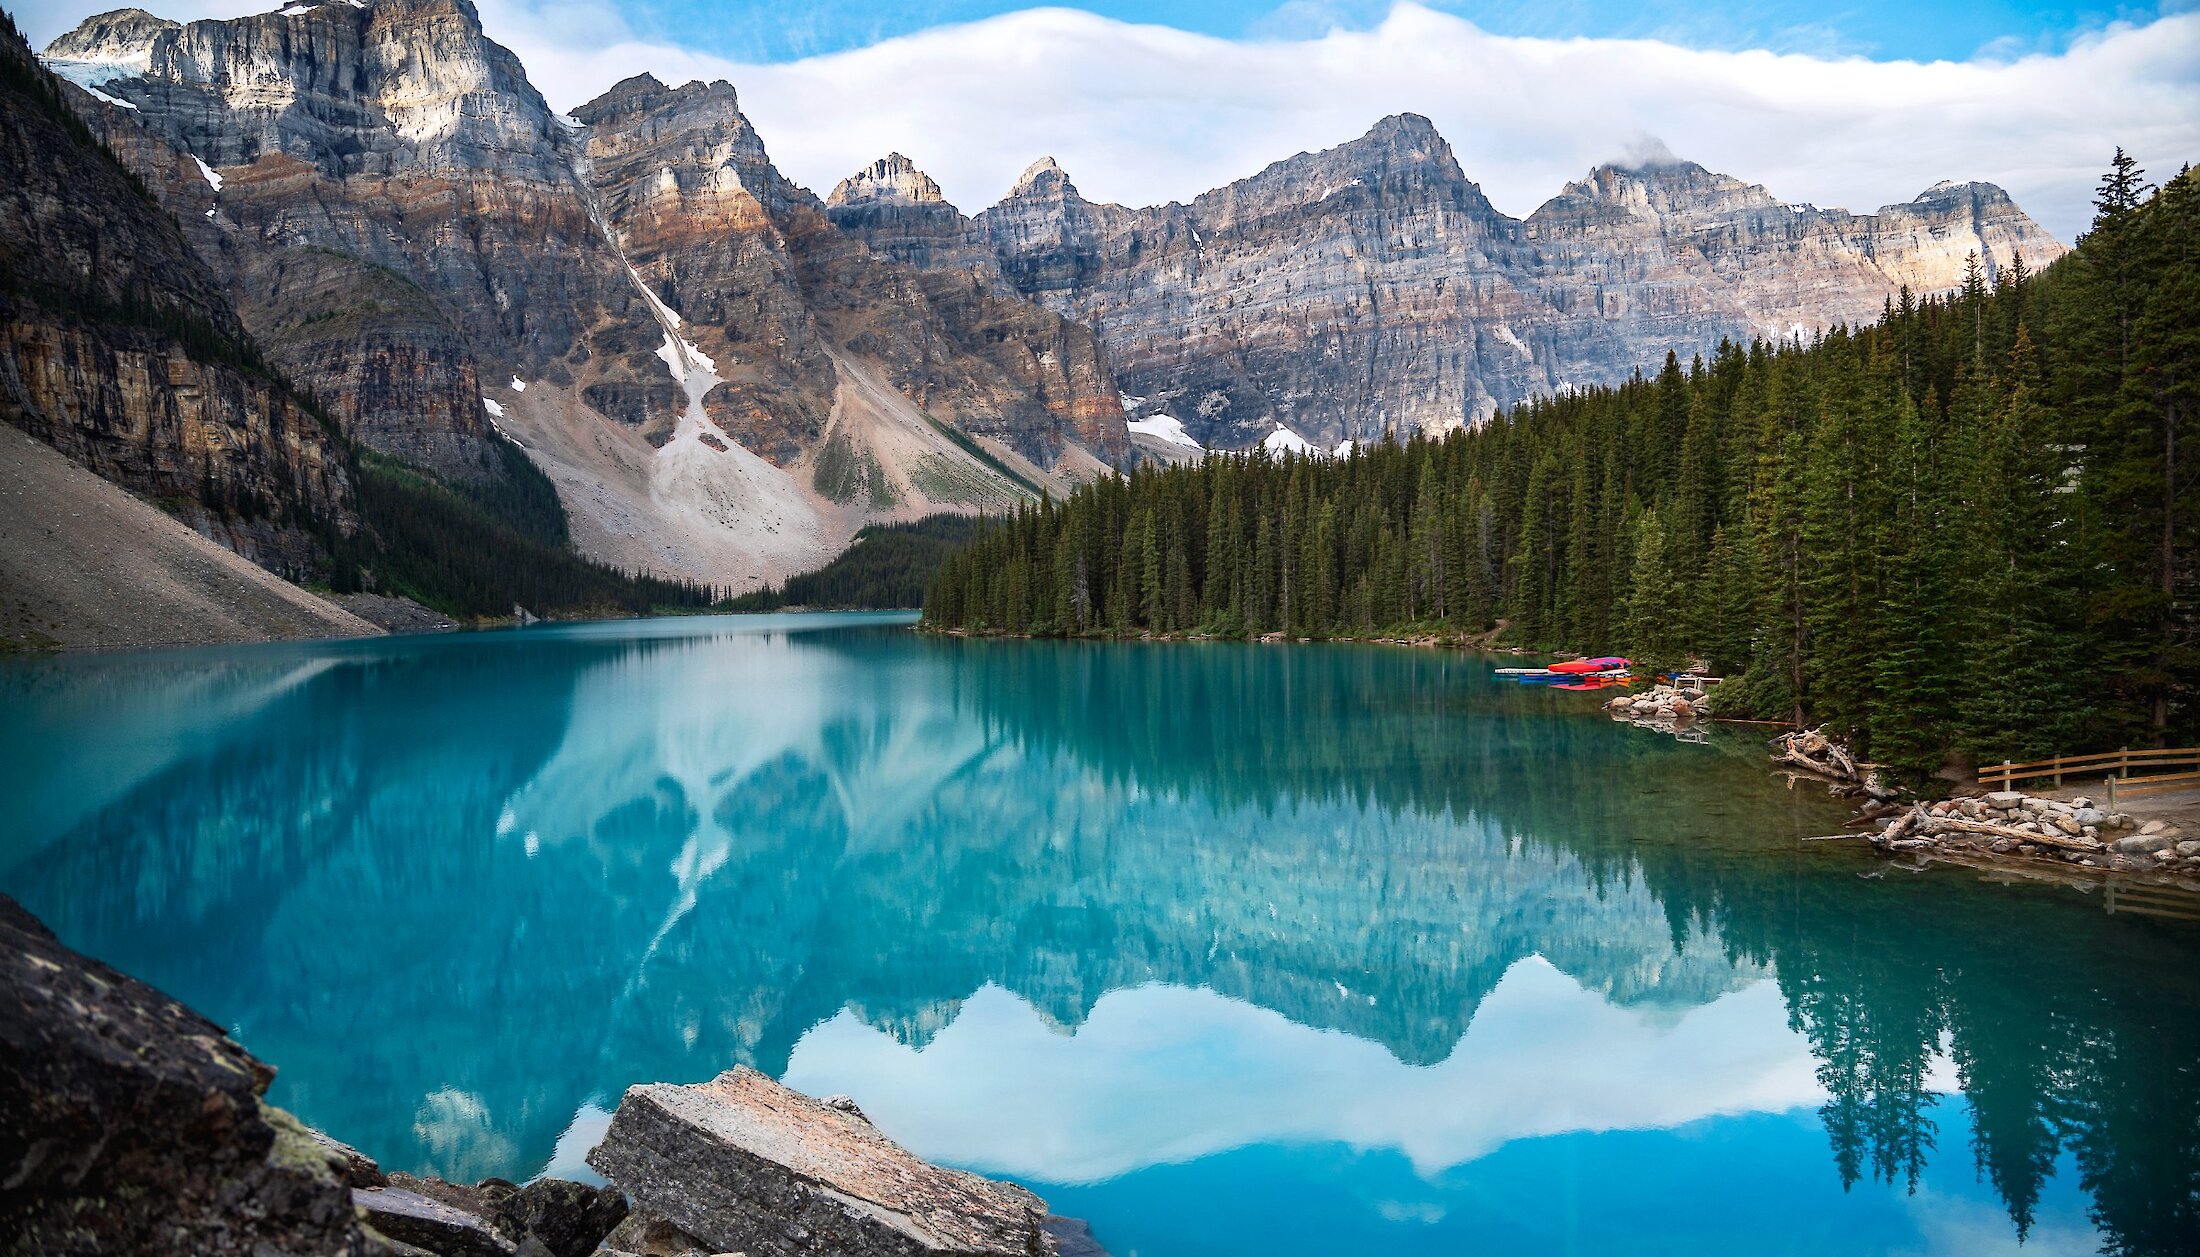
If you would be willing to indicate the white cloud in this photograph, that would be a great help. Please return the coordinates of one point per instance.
(1163, 1074)
(1145, 114)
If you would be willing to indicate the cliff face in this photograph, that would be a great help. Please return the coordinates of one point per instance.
(118, 347)
(764, 278)
(391, 202)
(691, 199)
(1372, 289)
(900, 213)
(406, 226)
(1674, 256)
(1342, 295)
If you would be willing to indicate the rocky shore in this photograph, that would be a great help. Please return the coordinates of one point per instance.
(2020, 826)
(1973, 826)
(130, 1124)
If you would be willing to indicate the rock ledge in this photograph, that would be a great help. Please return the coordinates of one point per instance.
(744, 1164)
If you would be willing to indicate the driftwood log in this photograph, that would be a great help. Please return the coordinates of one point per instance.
(2019, 835)
(1812, 751)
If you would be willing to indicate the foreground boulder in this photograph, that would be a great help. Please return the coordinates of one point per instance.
(130, 1124)
(742, 1164)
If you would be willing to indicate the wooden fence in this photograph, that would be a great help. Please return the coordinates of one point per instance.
(2116, 766)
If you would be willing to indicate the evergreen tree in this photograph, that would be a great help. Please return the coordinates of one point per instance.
(1968, 527)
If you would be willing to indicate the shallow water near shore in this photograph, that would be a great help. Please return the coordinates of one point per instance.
(1225, 948)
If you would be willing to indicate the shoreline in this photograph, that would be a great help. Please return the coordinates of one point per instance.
(2095, 867)
(144, 1127)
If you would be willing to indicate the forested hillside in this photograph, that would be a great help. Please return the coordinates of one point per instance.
(1968, 526)
(886, 569)
(478, 550)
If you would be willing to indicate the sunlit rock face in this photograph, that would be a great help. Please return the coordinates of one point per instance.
(691, 199)
(1372, 289)
(120, 349)
(400, 217)
(1671, 254)
(395, 205)
(758, 269)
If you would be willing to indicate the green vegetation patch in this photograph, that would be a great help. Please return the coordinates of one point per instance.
(887, 568)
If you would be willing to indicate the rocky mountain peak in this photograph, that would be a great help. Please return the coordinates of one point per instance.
(1401, 159)
(1043, 176)
(1663, 187)
(398, 86)
(690, 144)
(645, 93)
(634, 87)
(1951, 192)
(120, 36)
(892, 178)
(1406, 131)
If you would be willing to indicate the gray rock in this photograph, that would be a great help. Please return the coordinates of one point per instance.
(1075, 1237)
(2140, 844)
(644, 1234)
(359, 1168)
(1477, 310)
(566, 1219)
(412, 1218)
(130, 1124)
(2005, 800)
(2189, 847)
(2090, 816)
(744, 1164)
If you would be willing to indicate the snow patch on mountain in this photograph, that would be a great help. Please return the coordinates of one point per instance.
(89, 73)
(1165, 427)
(1506, 334)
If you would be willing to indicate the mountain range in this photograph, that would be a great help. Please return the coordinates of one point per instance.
(725, 376)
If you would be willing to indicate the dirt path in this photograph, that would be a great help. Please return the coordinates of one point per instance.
(84, 565)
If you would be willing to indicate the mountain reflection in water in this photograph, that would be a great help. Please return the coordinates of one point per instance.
(1111, 919)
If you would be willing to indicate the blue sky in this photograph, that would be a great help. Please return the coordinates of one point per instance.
(1923, 30)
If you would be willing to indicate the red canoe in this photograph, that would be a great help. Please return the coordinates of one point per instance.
(1607, 663)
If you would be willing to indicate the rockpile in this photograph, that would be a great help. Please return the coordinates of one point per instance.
(2016, 825)
(1662, 701)
(493, 1218)
(130, 1124)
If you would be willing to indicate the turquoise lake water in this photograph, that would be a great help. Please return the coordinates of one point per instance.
(1229, 949)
